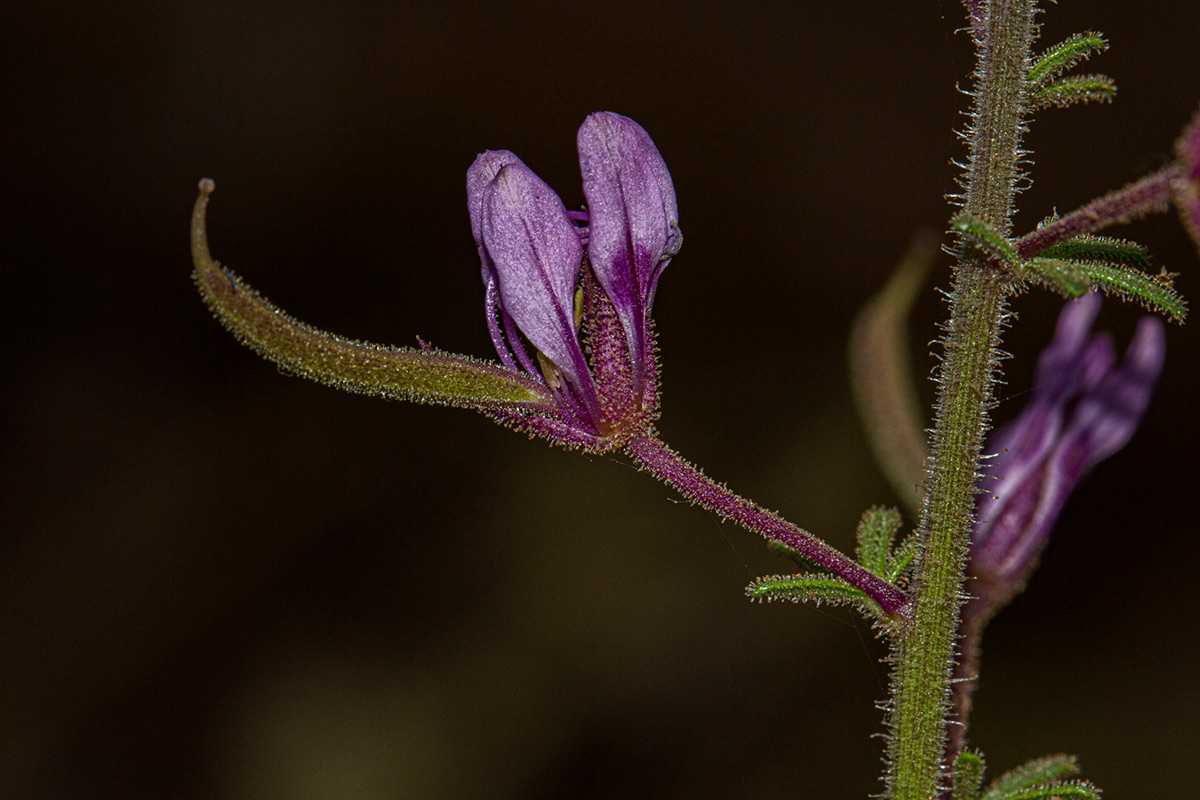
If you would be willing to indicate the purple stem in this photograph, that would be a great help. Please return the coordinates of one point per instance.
(666, 465)
(1148, 195)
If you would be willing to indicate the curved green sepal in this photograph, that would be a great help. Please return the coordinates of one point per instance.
(881, 373)
(986, 238)
(1072, 89)
(1064, 55)
(1100, 248)
(1071, 790)
(968, 775)
(876, 531)
(423, 376)
(1033, 773)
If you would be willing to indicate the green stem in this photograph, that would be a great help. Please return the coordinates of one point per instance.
(924, 653)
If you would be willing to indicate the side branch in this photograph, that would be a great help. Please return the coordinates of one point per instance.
(665, 464)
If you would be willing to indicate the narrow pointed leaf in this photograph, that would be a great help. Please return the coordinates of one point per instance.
(1073, 790)
(1059, 275)
(423, 376)
(1032, 773)
(1072, 89)
(1100, 248)
(1064, 55)
(1155, 292)
(903, 557)
(876, 530)
(796, 556)
(812, 587)
(968, 775)
(986, 238)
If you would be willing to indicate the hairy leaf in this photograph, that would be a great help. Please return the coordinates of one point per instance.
(968, 775)
(876, 531)
(1099, 248)
(1064, 55)
(1052, 791)
(986, 238)
(1032, 773)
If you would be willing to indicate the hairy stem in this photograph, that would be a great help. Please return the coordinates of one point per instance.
(924, 654)
(667, 466)
(1148, 195)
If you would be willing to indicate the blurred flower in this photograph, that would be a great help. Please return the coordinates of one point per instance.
(1186, 186)
(1085, 407)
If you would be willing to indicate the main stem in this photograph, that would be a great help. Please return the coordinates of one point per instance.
(924, 653)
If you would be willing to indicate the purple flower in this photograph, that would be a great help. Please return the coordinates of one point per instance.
(540, 289)
(1085, 407)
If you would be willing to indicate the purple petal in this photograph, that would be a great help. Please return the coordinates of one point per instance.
(482, 172)
(537, 257)
(634, 221)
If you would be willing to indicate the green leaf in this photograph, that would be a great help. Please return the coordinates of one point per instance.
(876, 531)
(1099, 248)
(1073, 89)
(796, 556)
(986, 238)
(811, 587)
(1155, 292)
(1064, 55)
(903, 557)
(1059, 275)
(423, 376)
(1032, 773)
(968, 775)
(1052, 791)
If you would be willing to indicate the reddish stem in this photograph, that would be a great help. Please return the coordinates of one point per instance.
(666, 465)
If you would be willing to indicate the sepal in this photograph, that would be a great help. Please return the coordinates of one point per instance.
(424, 376)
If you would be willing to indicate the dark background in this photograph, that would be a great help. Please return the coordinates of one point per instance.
(220, 582)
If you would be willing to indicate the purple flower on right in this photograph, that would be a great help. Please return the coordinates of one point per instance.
(1085, 407)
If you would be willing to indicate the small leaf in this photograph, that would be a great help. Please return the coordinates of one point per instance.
(812, 587)
(1064, 55)
(1059, 275)
(1155, 292)
(1073, 89)
(1032, 773)
(986, 238)
(904, 556)
(1052, 791)
(796, 556)
(876, 531)
(1099, 248)
(968, 775)
(423, 376)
